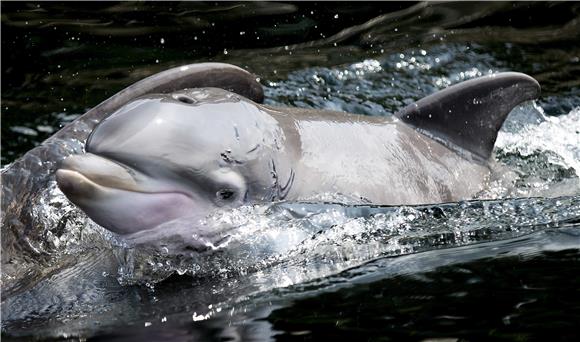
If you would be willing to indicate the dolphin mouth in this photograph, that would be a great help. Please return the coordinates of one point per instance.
(72, 182)
(99, 170)
(112, 197)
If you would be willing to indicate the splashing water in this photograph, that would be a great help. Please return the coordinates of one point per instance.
(306, 240)
(544, 153)
(539, 156)
(261, 247)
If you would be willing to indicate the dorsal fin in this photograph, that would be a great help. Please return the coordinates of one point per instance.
(470, 114)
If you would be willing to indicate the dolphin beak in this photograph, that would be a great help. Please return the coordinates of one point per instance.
(110, 195)
(74, 184)
(98, 169)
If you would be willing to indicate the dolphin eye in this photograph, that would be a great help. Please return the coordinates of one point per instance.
(226, 194)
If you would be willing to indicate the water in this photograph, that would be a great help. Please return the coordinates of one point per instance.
(504, 266)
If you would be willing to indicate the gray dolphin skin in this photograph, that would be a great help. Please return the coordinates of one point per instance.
(163, 156)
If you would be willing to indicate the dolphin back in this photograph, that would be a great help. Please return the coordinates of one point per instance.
(469, 115)
(200, 75)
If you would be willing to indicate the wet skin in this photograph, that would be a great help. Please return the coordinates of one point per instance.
(165, 156)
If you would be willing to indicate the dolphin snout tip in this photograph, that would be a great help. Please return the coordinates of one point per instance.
(72, 183)
(63, 179)
(93, 171)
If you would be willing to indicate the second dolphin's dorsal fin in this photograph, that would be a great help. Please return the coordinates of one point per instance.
(470, 114)
(197, 75)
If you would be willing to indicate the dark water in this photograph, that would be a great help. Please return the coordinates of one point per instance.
(513, 280)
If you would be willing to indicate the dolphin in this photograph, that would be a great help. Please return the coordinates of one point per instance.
(164, 156)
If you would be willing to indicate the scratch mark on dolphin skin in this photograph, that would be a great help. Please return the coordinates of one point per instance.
(280, 192)
(236, 132)
(227, 157)
(274, 190)
(286, 188)
(254, 149)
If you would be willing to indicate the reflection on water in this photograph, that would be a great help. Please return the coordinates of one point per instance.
(452, 302)
(501, 269)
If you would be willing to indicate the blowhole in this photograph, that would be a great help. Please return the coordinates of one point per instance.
(185, 99)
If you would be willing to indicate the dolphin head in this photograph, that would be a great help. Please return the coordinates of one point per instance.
(166, 156)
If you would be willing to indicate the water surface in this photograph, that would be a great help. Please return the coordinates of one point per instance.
(505, 266)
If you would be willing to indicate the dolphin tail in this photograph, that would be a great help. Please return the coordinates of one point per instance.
(470, 114)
